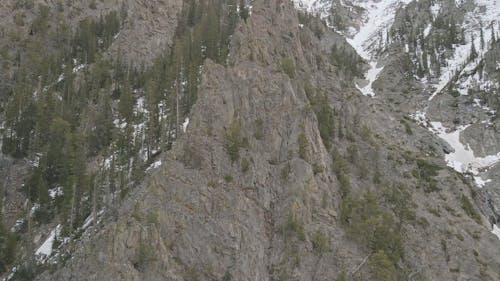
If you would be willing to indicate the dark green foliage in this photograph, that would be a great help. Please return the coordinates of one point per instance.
(294, 227)
(367, 223)
(26, 272)
(259, 129)
(469, 209)
(243, 10)
(64, 117)
(303, 146)
(346, 60)
(425, 173)
(234, 140)
(40, 23)
(144, 255)
(92, 37)
(399, 199)
(227, 276)
(324, 113)
(407, 126)
(342, 170)
(381, 267)
(8, 243)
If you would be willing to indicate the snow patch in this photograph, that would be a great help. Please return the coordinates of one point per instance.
(378, 19)
(435, 8)
(485, 15)
(427, 30)
(462, 159)
(480, 182)
(78, 68)
(56, 192)
(496, 231)
(185, 124)
(46, 248)
(155, 165)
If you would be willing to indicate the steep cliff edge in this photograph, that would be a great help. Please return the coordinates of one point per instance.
(270, 180)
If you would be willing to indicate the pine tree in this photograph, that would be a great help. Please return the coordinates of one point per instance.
(481, 35)
(244, 10)
(126, 105)
(493, 40)
(473, 52)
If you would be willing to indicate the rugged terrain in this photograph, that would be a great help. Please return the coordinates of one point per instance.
(316, 150)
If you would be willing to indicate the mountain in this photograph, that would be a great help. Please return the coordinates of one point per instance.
(263, 140)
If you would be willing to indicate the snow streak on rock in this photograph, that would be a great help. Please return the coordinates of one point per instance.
(320, 8)
(377, 20)
(463, 159)
(485, 15)
(496, 231)
(46, 248)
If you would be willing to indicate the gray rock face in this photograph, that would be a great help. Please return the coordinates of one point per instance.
(148, 29)
(201, 216)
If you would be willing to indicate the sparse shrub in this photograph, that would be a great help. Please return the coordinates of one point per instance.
(143, 256)
(191, 275)
(288, 67)
(324, 114)
(317, 168)
(342, 276)
(285, 171)
(370, 225)
(339, 165)
(407, 127)
(469, 209)
(352, 152)
(294, 226)
(245, 165)
(345, 184)
(381, 267)
(303, 146)
(259, 129)
(426, 171)
(212, 183)
(227, 276)
(228, 178)
(320, 242)
(234, 141)
(152, 218)
(19, 19)
(398, 197)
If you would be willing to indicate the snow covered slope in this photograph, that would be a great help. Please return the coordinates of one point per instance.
(376, 20)
(316, 7)
(458, 67)
(486, 15)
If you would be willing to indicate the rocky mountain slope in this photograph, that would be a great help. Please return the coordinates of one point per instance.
(317, 150)
(457, 97)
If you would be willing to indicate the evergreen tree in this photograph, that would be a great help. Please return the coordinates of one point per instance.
(481, 35)
(126, 104)
(473, 52)
(493, 40)
(244, 10)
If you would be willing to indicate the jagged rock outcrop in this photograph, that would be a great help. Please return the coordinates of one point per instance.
(203, 216)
